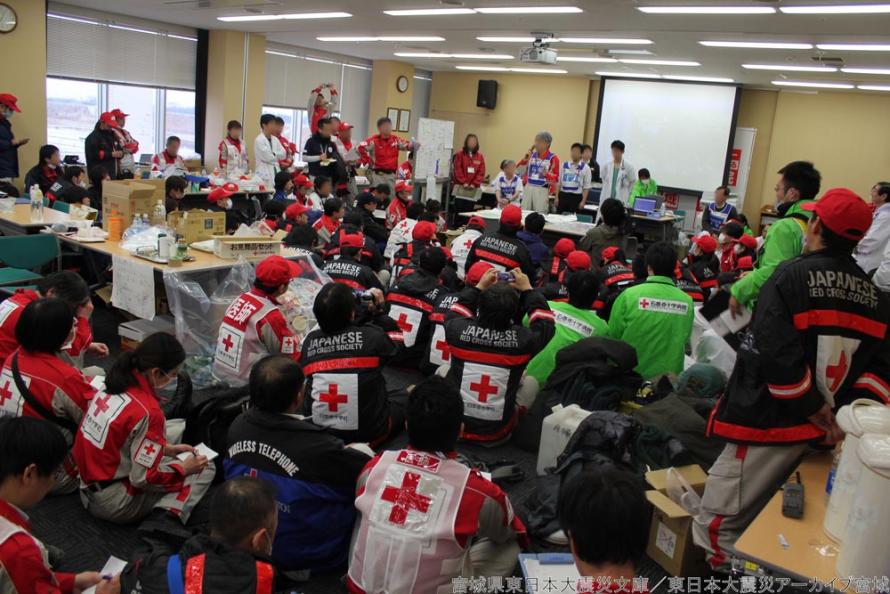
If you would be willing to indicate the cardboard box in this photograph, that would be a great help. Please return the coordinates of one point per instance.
(670, 533)
(160, 186)
(197, 225)
(127, 198)
(132, 333)
(229, 247)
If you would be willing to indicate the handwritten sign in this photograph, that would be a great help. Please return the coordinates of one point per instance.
(133, 289)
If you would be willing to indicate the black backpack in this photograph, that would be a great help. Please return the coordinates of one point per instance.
(209, 422)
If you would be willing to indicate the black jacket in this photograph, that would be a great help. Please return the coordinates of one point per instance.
(318, 145)
(350, 272)
(819, 335)
(410, 304)
(614, 277)
(43, 178)
(503, 250)
(372, 228)
(9, 155)
(369, 256)
(705, 269)
(98, 147)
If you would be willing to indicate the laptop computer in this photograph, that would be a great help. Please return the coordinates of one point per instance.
(644, 206)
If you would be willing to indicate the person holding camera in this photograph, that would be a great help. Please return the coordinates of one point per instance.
(502, 248)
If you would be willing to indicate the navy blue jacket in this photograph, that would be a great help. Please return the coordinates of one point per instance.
(536, 248)
(9, 155)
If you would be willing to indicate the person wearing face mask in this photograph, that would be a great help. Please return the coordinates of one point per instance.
(48, 169)
(128, 466)
(730, 234)
(644, 186)
(128, 144)
(718, 212)
(234, 557)
(71, 187)
(41, 384)
(9, 144)
(101, 146)
(797, 185)
(220, 200)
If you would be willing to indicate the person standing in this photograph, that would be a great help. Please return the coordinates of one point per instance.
(320, 107)
(233, 152)
(541, 174)
(349, 154)
(381, 153)
(574, 183)
(268, 151)
(618, 175)
(101, 147)
(587, 155)
(818, 341)
(9, 144)
(468, 169)
(718, 212)
(169, 162)
(290, 149)
(870, 250)
(128, 144)
(320, 152)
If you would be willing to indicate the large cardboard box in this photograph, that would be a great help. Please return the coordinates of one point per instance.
(132, 333)
(197, 225)
(670, 533)
(160, 186)
(127, 198)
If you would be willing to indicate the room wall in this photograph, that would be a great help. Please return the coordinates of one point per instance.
(24, 76)
(757, 109)
(384, 93)
(526, 105)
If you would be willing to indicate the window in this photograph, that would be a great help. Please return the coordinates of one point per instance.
(179, 119)
(72, 109)
(296, 124)
(141, 103)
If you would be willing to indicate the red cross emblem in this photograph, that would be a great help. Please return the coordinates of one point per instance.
(468, 243)
(149, 449)
(443, 348)
(837, 373)
(644, 303)
(405, 499)
(403, 324)
(5, 393)
(333, 398)
(228, 343)
(102, 405)
(484, 388)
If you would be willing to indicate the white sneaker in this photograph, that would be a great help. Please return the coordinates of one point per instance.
(558, 538)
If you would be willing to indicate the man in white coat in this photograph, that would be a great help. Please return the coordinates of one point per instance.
(268, 151)
(618, 175)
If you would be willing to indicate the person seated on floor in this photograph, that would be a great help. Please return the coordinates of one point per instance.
(502, 248)
(555, 268)
(401, 233)
(329, 222)
(370, 254)
(398, 207)
(730, 234)
(423, 235)
(273, 217)
(576, 261)
(490, 349)
(343, 359)
(233, 558)
(38, 382)
(127, 464)
(284, 187)
(686, 282)
(575, 320)
(609, 232)
(33, 452)
(411, 302)
(531, 237)
(398, 493)
(323, 190)
(313, 472)
(301, 240)
(614, 276)
(460, 246)
(655, 317)
(70, 288)
(174, 191)
(253, 325)
(302, 188)
(366, 205)
(347, 268)
(297, 215)
(703, 263)
(434, 208)
(743, 266)
(47, 171)
(605, 515)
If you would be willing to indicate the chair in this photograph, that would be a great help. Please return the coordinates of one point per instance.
(583, 218)
(23, 253)
(62, 206)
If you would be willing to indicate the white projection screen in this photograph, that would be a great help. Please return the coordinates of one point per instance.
(680, 132)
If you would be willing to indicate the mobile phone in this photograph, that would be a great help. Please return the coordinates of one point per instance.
(505, 277)
(363, 295)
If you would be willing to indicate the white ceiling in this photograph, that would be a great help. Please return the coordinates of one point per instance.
(675, 36)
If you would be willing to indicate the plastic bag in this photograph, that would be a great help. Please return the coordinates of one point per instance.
(145, 239)
(681, 492)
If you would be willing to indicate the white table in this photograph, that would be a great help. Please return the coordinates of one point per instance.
(558, 224)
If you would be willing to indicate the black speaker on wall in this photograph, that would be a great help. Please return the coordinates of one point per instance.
(487, 95)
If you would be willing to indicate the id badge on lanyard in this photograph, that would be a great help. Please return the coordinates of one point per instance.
(534, 169)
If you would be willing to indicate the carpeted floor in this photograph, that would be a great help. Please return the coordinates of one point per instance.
(88, 542)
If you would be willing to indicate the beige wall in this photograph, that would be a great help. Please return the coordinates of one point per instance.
(24, 75)
(384, 93)
(527, 104)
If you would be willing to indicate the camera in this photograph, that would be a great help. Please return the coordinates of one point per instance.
(505, 277)
(366, 296)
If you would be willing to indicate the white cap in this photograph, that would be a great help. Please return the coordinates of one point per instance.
(864, 416)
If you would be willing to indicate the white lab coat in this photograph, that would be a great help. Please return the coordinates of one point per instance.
(267, 152)
(870, 250)
(627, 177)
(882, 274)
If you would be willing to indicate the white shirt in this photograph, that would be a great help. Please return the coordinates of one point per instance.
(627, 176)
(882, 274)
(508, 189)
(268, 151)
(870, 250)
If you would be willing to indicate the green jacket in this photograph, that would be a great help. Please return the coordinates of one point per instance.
(783, 242)
(641, 189)
(654, 317)
(572, 324)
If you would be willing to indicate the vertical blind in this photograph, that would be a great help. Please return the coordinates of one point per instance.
(96, 46)
(420, 100)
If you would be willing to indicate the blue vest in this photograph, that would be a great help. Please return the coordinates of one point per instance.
(570, 177)
(718, 217)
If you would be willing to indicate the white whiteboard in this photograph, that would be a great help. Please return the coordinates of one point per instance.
(678, 131)
(436, 138)
(740, 163)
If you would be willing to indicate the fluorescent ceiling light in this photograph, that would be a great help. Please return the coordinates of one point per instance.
(530, 10)
(443, 56)
(586, 59)
(629, 74)
(630, 52)
(884, 71)
(816, 85)
(250, 17)
(854, 47)
(540, 70)
(789, 68)
(484, 68)
(605, 40)
(503, 69)
(430, 12)
(707, 9)
(507, 39)
(382, 38)
(838, 9)
(279, 17)
(659, 62)
(757, 44)
(710, 79)
(874, 87)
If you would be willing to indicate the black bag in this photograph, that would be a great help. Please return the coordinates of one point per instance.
(209, 421)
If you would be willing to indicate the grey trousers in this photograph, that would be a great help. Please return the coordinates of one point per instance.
(384, 178)
(536, 198)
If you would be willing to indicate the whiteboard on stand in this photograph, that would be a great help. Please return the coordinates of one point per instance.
(436, 138)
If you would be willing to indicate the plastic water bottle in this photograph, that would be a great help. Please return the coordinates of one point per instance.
(144, 222)
(832, 473)
(36, 204)
(159, 215)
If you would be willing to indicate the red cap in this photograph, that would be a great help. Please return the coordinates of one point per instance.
(578, 260)
(749, 241)
(295, 210)
(512, 216)
(218, 194)
(119, 113)
(609, 253)
(108, 118)
(275, 271)
(423, 231)
(476, 221)
(447, 252)
(345, 126)
(474, 274)
(707, 243)
(230, 187)
(843, 212)
(352, 240)
(10, 101)
(404, 185)
(301, 180)
(564, 247)
(745, 263)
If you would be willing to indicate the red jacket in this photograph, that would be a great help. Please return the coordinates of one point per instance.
(396, 212)
(320, 111)
(468, 170)
(405, 171)
(11, 311)
(23, 558)
(290, 148)
(385, 156)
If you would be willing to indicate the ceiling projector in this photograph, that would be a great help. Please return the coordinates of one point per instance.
(540, 52)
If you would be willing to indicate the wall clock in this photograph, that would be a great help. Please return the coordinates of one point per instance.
(8, 19)
(402, 84)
